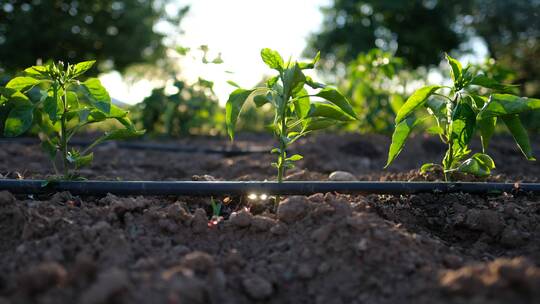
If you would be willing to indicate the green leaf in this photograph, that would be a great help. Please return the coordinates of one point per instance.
(293, 80)
(301, 103)
(428, 167)
(81, 67)
(487, 128)
(311, 64)
(234, 84)
(38, 71)
(435, 130)
(399, 137)
(486, 82)
(233, 107)
(506, 104)
(313, 84)
(260, 100)
(520, 135)
(437, 106)
(272, 81)
(98, 95)
(295, 157)
(335, 97)
(272, 59)
(479, 164)
(417, 99)
(19, 119)
(22, 83)
(456, 68)
(463, 124)
(317, 123)
(122, 134)
(80, 160)
(52, 107)
(479, 101)
(327, 110)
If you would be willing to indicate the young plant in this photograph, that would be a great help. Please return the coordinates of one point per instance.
(295, 114)
(459, 111)
(63, 106)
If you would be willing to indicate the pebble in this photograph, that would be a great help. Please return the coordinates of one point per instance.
(341, 176)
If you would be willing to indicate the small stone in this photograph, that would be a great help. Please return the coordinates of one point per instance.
(257, 287)
(200, 221)
(241, 219)
(292, 209)
(341, 176)
(6, 198)
(203, 178)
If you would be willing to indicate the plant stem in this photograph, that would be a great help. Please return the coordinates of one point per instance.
(63, 137)
(282, 148)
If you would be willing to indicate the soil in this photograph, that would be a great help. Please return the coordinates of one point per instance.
(326, 248)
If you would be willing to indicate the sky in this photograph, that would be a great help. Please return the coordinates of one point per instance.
(238, 29)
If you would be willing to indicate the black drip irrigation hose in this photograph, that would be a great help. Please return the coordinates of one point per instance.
(131, 145)
(197, 188)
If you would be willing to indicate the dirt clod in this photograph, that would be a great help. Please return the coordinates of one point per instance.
(109, 285)
(257, 287)
(198, 261)
(200, 221)
(241, 219)
(42, 277)
(292, 209)
(487, 221)
(6, 198)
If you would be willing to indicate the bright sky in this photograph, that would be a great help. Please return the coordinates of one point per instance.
(238, 29)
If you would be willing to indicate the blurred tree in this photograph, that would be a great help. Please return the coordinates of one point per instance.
(115, 32)
(511, 31)
(418, 30)
(422, 30)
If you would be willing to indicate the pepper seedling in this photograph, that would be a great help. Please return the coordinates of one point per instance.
(295, 113)
(63, 107)
(461, 112)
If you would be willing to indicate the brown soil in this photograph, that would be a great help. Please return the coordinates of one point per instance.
(325, 248)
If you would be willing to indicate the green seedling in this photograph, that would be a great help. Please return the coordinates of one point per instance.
(63, 106)
(216, 213)
(295, 114)
(459, 111)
